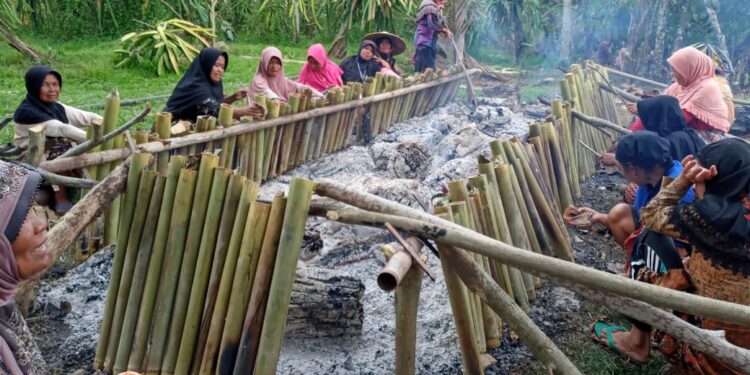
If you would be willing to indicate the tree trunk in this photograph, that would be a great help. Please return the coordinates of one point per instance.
(517, 27)
(566, 31)
(325, 303)
(19, 45)
(683, 9)
(657, 60)
(712, 10)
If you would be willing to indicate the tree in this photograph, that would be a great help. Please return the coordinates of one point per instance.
(566, 31)
(712, 7)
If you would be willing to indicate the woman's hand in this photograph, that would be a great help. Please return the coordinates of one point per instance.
(632, 108)
(257, 112)
(240, 94)
(382, 62)
(695, 173)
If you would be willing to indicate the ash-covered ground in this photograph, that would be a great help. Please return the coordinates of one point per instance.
(408, 164)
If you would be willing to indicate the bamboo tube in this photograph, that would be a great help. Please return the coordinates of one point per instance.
(294, 106)
(203, 193)
(281, 132)
(398, 265)
(491, 334)
(407, 304)
(517, 231)
(558, 164)
(225, 120)
(342, 97)
(137, 165)
(139, 274)
(145, 188)
(164, 130)
(240, 359)
(260, 152)
(138, 351)
(332, 125)
(141, 137)
(213, 341)
(559, 112)
(109, 124)
(295, 217)
(186, 347)
(320, 130)
(178, 233)
(461, 313)
(273, 112)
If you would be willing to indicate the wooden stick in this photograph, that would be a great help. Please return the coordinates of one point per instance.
(619, 92)
(599, 124)
(413, 221)
(587, 147)
(88, 145)
(56, 179)
(415, 257)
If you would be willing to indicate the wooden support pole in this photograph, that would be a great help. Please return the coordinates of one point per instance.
(35, 150)
(407, 304)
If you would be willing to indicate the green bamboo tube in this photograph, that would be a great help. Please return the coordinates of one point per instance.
(203, 196)
(496, 146)
(135, 361)
(559, 242)
(243, 282)
(509, 275)
(176, 242)
(407, 304)
(461, 313)
(291, 130)
(109, 124)
(387, 106)
(273, 112)
(539, 139)
(139, 275)
(214, 214)
(376, 108)
(145, 188)
(545, 165)
(232, 202)
(353, 115)
(559, 112)
(491, 334)
(332, 123)
(201, 125)
(295, 217)
(141, 137)
(249, 153)
(260, 152)
(517, 230)
(341, 97)
(558, 164)
(281, 131)
(137, 165)
(226, 274)
(225, 120)
(211, 126)
(299, 130)
(164, 130)
(239, 343)
(319, 131)
(306, 140)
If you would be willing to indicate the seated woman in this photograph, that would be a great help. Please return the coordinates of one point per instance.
(22, 255)
(389, 46)
(319, 72)
(662, 115)
(717, 224)
(200, 91)
(62, 123)
(270, 81)
(700, 97)
(645, 160)
(364, 64)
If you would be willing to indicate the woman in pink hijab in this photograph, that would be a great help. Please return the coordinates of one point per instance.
(270, 81)
(319, 72)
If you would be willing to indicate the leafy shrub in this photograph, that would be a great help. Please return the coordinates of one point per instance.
(167, 46)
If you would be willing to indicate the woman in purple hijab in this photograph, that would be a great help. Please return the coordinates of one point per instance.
(23, 254)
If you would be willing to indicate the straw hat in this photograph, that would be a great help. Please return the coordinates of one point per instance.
(397, 44)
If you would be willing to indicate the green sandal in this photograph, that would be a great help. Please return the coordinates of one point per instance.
(601, 326)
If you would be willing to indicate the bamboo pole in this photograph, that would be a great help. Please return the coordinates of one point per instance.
(210, 358)
(145, 188)
(190, 330)
(145, 250)
(203, 193)
(559, 166)
(109, 123)
(138, 351)
(273, 112)
(398, 265)
(240, 359)
(407, 304)
(35, 150)
(178, 233)
(289, 134)
(491, 333)
(164, 130)
(137, 165)
(252, 243)
(225, 120)
(293, 229)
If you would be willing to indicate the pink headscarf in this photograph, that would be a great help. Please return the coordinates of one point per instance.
(278, 87)
(702, 95)
(327, 76)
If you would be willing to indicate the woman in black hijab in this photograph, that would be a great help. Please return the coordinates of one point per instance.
(200, 91)
(717, 224)
(364, 64)
(662, 115)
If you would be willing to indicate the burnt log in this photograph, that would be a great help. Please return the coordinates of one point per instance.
(325, 303)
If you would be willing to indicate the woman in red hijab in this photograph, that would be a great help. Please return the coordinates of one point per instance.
(319, 72)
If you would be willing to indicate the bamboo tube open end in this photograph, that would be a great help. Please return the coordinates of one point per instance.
(387, 281)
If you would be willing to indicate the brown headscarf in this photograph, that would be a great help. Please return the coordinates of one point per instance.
(278, 87)
(701, 96)
(18, 187)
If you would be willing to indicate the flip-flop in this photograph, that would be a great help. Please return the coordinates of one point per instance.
(601, 326)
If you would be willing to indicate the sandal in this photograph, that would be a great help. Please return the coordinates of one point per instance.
(608, 330)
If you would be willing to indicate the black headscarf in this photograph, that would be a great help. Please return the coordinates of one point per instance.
(643, 149)
(196, 93)
(662, 114)
(355, 69)
(32, 109)
(722, 204)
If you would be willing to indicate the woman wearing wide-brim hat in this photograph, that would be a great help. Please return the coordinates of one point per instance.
(389, 45)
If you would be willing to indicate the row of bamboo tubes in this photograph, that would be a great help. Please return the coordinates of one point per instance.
(202, 273)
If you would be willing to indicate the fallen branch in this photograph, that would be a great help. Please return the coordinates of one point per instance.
(56, 179)
(96, 141)
(501, 303)
(420, 223)
(85, 160)
(624, 95)
(599, 124)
